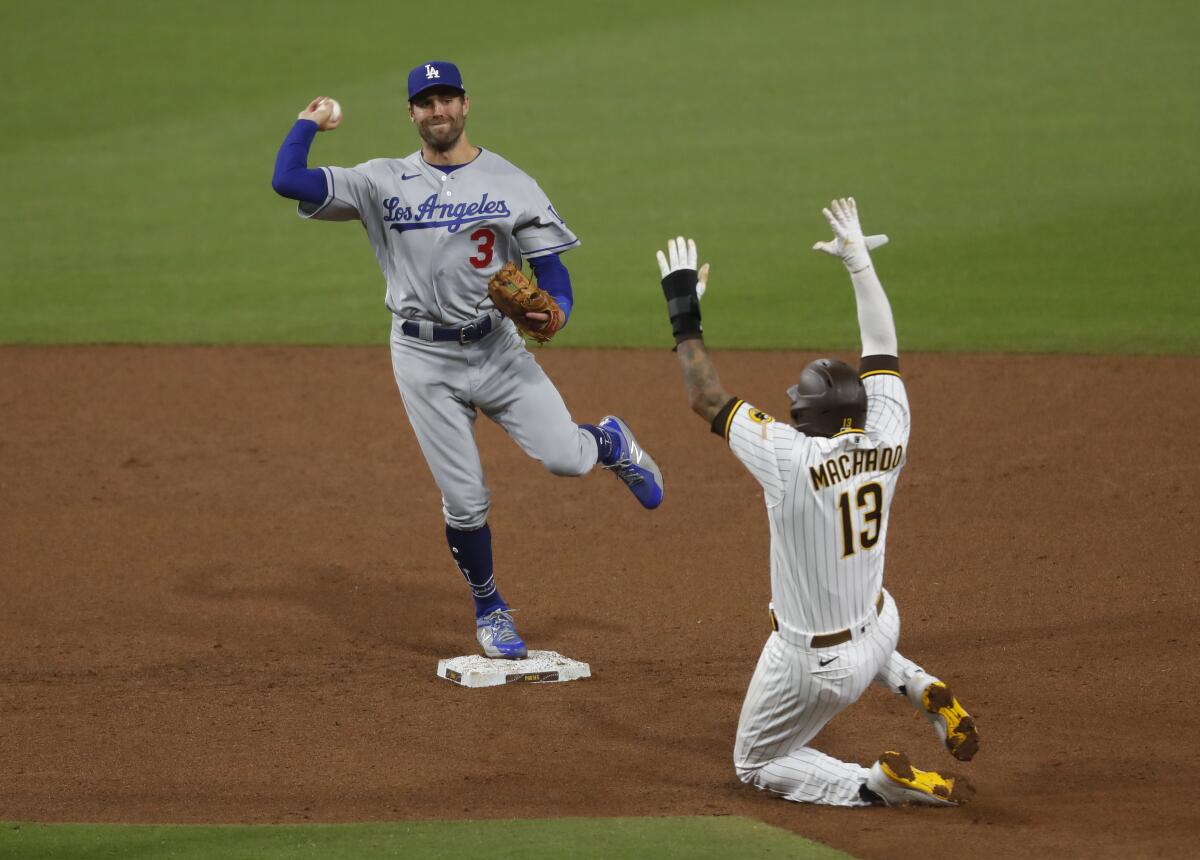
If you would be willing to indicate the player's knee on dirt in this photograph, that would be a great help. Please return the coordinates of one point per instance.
(745, 764)
(746, 774)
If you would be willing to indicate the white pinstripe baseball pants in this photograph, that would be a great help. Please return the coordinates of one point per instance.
(792, 696)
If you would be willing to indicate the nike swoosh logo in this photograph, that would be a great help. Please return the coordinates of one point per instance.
(827, 662)
(406, 176)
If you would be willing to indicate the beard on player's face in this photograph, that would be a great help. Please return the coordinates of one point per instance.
(441, 133)
(440, 118)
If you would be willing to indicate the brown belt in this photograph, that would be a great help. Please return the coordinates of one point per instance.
(828, 640)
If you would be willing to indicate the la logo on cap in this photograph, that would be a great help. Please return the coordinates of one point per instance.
(435, 73)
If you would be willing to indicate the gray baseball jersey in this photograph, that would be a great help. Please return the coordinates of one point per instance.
(438, 237)
(828, 501)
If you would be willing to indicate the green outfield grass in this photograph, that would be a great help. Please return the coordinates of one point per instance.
(578, 838)
(1034, 164)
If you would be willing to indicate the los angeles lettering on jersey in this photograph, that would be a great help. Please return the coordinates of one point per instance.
(452, 216)
(846, 466)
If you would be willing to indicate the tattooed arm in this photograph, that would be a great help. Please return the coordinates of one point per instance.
(700, 379)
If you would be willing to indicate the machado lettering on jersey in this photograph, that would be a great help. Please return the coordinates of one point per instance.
(431, 214)
(845, 466)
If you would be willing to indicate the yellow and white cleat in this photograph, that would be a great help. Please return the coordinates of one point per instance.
(897, 783)
(954, 725)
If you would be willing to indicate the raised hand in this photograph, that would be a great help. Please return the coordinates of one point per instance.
(848, 243)
(681, 254)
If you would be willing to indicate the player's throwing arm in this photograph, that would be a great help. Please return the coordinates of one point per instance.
(451, 225)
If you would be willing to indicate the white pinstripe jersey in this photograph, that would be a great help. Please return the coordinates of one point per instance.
(828, 502)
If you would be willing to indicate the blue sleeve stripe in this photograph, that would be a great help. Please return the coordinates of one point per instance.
(530, 255)
(328, 197)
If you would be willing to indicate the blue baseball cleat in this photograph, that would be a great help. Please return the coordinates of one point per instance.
(498, 637)
(633, 465)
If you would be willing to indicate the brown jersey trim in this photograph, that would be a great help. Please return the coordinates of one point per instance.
(720, 423)
(872, 364)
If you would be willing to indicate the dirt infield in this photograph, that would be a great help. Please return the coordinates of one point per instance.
(224, 592)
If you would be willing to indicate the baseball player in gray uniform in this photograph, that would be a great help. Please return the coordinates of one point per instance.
(828, 481)
(441, 221)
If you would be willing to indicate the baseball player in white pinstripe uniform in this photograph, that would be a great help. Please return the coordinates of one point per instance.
(828, 481)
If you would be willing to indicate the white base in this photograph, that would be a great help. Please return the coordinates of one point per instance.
(540, 667)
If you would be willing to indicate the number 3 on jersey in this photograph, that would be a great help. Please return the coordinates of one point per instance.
(869, 499)
(487, 242)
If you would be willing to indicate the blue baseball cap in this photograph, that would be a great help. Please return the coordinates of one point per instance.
(436, 73)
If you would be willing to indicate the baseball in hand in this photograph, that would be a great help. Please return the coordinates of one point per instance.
(324, 111)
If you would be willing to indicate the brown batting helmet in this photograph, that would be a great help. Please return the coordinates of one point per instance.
(828, 398)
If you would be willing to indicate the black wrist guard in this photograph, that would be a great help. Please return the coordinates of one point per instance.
(683, 305)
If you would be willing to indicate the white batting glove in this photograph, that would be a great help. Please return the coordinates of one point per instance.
(848, 243)
(681, 254)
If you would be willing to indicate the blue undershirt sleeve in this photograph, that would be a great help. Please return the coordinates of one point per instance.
(553, 277)
(293, 177)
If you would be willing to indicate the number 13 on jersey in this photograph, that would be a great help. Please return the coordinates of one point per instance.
(868, 501)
